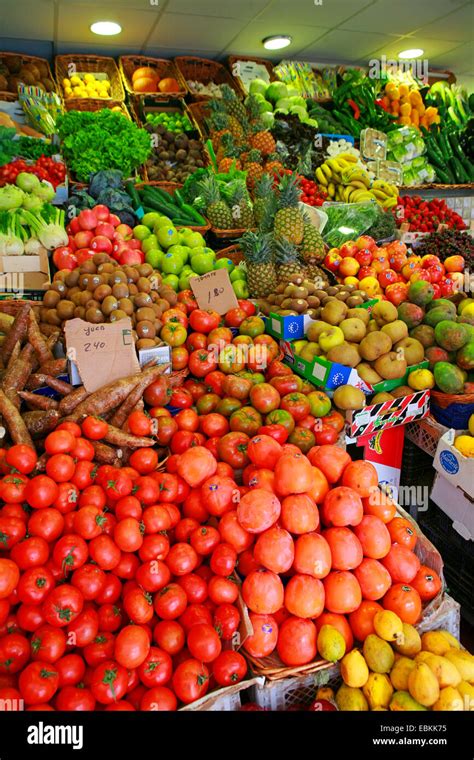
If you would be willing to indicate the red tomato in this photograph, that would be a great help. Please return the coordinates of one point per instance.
(38, 682)
(190, 680)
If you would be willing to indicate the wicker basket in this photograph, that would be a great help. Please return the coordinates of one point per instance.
(170, 187)
(233, 253)
(425, 434)
(205, 71)
(90, 64)
(84, 104)
(200, 112)
(164, 68)
(233, 61)
(452, 409)
(11, 96)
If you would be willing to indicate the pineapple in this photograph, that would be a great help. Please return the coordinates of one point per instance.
(287, 260)
(263, 140)
(241, 206)
(253, 167)
(312, 247)
(217, 210)
(289, 219)
(274, 164)
(257, 250)
(313, 272)
(232, 104)
(230, 154)
(219, 127)
(263, 197)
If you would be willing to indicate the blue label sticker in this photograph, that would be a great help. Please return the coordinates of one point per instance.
(449, 462)
(139, 212)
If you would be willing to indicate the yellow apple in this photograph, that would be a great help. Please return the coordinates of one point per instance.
(331, 338)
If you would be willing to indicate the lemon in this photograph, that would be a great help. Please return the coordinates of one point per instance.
(468, 311)
(75, 80)
(421, 379)
(105, 83)
(351, 281)
(78, 90)
(89, 78)
(471, 424)
(66, 83)
(465, 444)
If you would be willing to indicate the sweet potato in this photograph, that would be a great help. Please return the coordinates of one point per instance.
(39, 423)
(106, 454)
(54, 367)
(48, 329)
(120, 438)
(41, 464)
(14, 354)
(17, 426)
(37, 401)
(17, 374)
(38, 380)
(42, 350)
(17, 332)
(127, 406)
(110, 396)
(72, 400)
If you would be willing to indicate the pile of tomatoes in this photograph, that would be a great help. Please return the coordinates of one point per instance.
(45, 168)
(311, 193)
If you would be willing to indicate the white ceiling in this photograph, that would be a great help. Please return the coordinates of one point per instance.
(351, 31)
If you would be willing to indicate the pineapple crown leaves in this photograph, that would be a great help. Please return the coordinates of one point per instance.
(257, 247)
(264, 187)
(285, 251)
(209, 190)
(289, 191)
(254, 156)
(253, 108)
(228, 94)
(269, 211)
(274, 157)
(230, 148)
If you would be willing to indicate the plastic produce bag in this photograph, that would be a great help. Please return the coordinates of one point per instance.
(418, 172)
(405, 144)
(347, 221)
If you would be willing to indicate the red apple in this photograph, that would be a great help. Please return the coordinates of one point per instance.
(365, 241)
(72, 243)
(64, 258)
(438, 289)
(429, 261)
(83, 254)
(349, 248)
(83, 238)
(105, 228)
(436, 272)
(73, 226)
(114, 220)
(366, 272)
(124, 230)
(87, 219)
(132, 257)
(102, 212)
(101, 244)
(135, 244)
(363, 257)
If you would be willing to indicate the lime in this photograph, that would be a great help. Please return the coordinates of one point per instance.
(202, 263)
(149, 243)
(162, 221)
(195, 240)
(240, 289)
(171, 263)
(237, 274)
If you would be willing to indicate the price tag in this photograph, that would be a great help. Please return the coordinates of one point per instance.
(102, 353)
(214, 291)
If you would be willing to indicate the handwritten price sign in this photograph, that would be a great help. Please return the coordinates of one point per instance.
(214, 291)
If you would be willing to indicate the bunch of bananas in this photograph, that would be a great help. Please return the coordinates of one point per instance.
(344, 179)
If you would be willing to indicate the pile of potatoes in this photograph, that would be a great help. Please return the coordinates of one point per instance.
(175, 156)
(15, 70)
(377, 345)
(101, 290)
(301, 296)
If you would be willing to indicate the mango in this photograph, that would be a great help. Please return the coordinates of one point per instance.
(435, 642)
(422, 656)
(325, 692)
(423, 685)
(388, 625)
(466, 691)
(331, 644)
(349, 699)
(402, 701)
(453, 641)
(446, 673)
(400, 672)
(378, 690)
(379, 709)
(464, 662)
(410, 644)
(354, 670)
(449, 700)
(378, 654)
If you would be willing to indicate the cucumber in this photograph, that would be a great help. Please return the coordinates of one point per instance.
(133, 193)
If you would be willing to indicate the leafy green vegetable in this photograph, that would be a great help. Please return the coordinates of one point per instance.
(347, 221)
(7, 149)
(92, 141)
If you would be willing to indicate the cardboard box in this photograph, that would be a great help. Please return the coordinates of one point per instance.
(388, 414)
(20, 274)
(454, 466)
(294, 327)
(162, 354)
(455, 503)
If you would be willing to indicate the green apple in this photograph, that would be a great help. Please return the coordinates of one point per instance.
(182, 250)
(171, 263)
(150, 242)
(150, 219)
(237, 274)
(162, 221)
(154, 257)
(210, 251)
(330, 338)
(167, 236)
(141, 231)
(195, 240)
(240, 289)
(202, 263)
(184, 279)
(225, 264)
(172, 280)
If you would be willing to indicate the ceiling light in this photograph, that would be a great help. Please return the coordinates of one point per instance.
(277, 42)
(411, 53)
(106, 28)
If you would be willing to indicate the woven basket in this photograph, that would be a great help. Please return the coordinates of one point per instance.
(233, 253)
(164, 68)
(84, 104)
(234, 59)
(452, 409)
(170, 187)
(200, 112)
(90, 64)
(205, 71)
(229, 234)
(4, 57)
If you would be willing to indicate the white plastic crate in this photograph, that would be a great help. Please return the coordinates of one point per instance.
(226, 699)
(287, 692)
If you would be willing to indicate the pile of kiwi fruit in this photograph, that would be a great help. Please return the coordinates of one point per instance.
(301, 296)
(15, 70)
(101, 290)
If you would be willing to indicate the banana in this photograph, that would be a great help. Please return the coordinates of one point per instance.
(357, 174)
(357, 183)
(326, 169)
(389, 203)
(379, 194)
(320, 176)
(347, 193)
(395, 190)
(385, 187)
(331, 189)
(348, 157)
(333, 164)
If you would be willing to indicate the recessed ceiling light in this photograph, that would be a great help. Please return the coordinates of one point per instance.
(277, 42)
(106, 28)
(412, 53)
